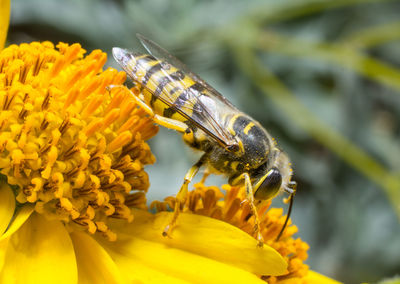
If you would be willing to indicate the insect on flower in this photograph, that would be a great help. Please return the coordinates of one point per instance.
(233, 143)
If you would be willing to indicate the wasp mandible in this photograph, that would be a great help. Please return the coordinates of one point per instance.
(233, 143)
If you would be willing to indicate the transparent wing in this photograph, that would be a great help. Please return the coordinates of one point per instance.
(161, 54)
(201, 104)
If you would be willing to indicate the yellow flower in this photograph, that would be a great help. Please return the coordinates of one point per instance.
(72, 185)
(233, 208)
(71, 157)
(68, 146)
(71, 153)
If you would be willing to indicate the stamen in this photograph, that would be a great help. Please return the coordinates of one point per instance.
(72, 95)
(116, 100)
(90, 88)
(92, 106)
(120, 141)
(93, 127)
(23, 73)
(57, 121)
(110, 118)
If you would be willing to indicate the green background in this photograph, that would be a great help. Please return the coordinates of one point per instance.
(322, 76)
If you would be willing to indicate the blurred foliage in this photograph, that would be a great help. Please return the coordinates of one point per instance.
(322, 76)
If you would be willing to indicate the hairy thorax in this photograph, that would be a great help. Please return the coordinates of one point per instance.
(253, 140)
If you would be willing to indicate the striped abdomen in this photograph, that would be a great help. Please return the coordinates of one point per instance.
(165, 87)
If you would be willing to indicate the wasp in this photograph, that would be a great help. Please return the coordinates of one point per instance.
(234, 144)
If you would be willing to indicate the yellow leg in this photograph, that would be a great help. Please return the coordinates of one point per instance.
(170, 123)
(160, 120)
(181, 196)
(205, 176)
(140, 103)
(250, 198)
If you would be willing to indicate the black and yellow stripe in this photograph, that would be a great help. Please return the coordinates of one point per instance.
(170, 93)
(161, 81)
(253, 140)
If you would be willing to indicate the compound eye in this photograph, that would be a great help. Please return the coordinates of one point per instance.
(270, 186)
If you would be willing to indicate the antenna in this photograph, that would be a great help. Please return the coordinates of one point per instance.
(292, 190)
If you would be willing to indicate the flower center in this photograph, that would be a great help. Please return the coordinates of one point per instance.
(70, 146)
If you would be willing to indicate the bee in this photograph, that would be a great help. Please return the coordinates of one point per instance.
(234, 144)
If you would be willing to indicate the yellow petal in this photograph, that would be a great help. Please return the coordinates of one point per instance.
(40, 251)
(313, 277)
(210, 238)
(137, 271)
(153, 262)
(4, 19)
(214, 239)
(3, 247)
(94, 263)
(20, 218)
(140, 273)
(7, 206)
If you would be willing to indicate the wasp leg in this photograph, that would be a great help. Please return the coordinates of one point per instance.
(250, 198)
(181, 196)
(160, 120)
(170, 123)
(138, 101)
(205, 176)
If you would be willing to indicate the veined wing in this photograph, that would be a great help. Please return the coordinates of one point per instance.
(162, 54)
(198, 102)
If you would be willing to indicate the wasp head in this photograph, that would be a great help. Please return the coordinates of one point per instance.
(272, 176)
